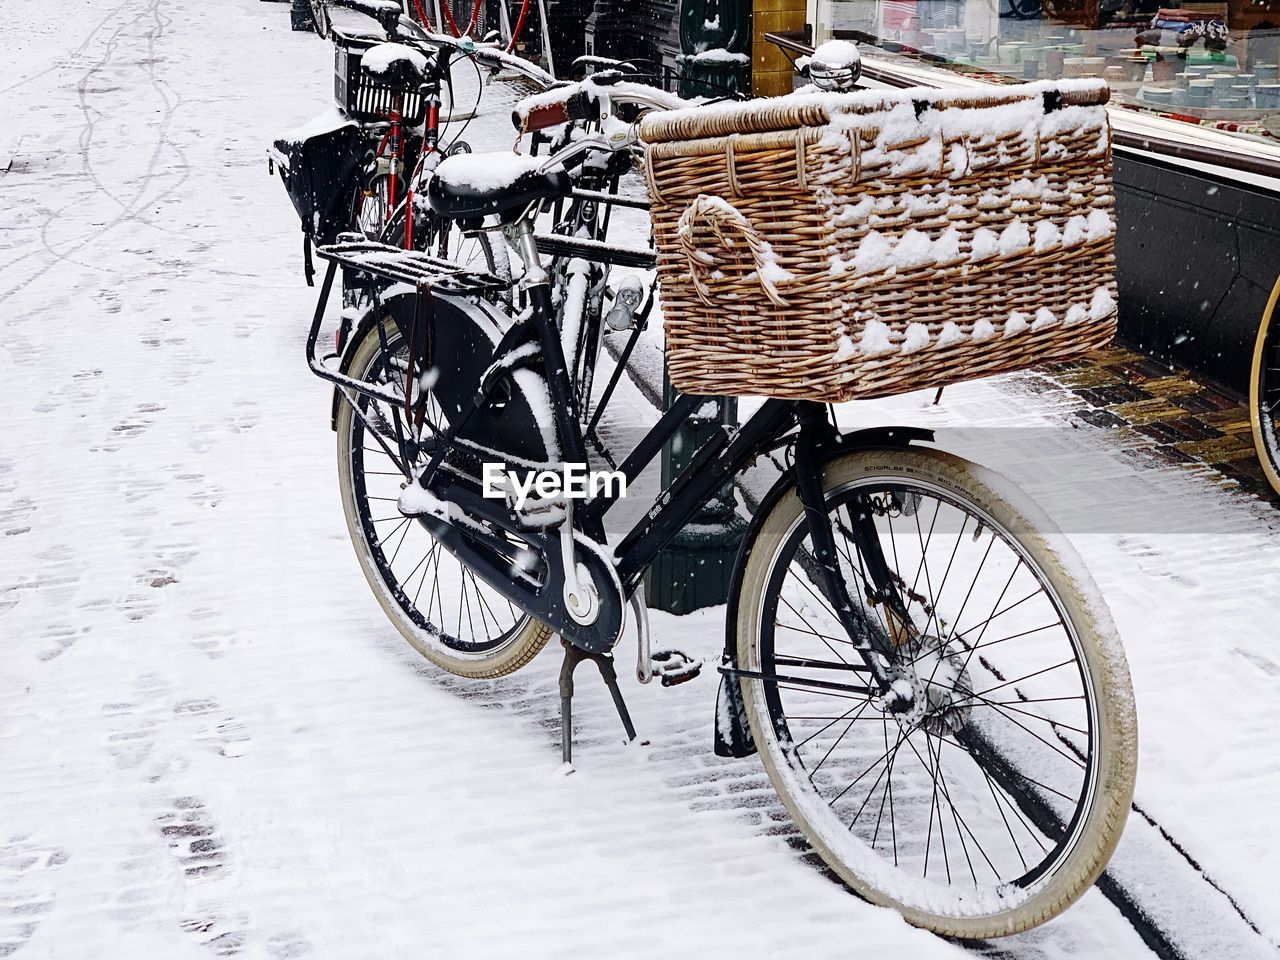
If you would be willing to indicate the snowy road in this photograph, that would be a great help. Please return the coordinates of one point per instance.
(212, 743)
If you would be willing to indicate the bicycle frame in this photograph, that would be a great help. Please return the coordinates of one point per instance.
(480, 543)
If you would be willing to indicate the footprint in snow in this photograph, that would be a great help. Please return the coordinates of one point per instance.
(192, 837)
(226, 737)
(203, 492)
(60, 637)
(213, 643)
(288, 946)
(15, 519)
(135, 489)
(135, 727)
(133, 736)
(139, 885)
(244, 417)
(176, 555)
(26, 896)
(137, 606)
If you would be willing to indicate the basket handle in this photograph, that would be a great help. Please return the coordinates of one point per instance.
(721, 216)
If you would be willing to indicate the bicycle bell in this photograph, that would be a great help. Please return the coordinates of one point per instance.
(835, 66)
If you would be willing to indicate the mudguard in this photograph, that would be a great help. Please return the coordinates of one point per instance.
(732, 733)
(465, 334)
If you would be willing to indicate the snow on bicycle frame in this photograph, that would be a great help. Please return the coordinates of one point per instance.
(837, 246)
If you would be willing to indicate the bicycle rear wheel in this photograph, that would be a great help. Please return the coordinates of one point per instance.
(997, 801)
(446, 612)
(1264, 391)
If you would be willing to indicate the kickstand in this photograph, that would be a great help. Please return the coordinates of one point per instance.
(604, 662)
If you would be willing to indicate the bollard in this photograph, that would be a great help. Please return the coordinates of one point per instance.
(694, 570)
(715, 47)
(300, 16)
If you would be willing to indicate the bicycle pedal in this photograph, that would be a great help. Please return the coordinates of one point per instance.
(674, 666)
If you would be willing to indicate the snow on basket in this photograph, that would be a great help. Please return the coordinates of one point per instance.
(835, 246)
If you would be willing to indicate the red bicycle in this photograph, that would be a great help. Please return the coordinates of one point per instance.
(395, 90)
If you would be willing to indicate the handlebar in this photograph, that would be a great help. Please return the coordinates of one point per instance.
(594, 98)
(492, 56)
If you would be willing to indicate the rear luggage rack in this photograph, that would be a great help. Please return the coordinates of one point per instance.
(370, 261)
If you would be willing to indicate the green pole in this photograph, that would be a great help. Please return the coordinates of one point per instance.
(693, 571)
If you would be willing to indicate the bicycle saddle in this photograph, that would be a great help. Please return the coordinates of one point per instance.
(474, 185)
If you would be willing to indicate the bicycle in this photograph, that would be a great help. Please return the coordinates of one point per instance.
(579, 223)
(396, 91)
(857, 660)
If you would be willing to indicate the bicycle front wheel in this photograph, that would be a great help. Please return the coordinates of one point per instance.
(997, 800)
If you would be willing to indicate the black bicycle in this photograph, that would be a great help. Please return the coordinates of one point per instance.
(922, 662)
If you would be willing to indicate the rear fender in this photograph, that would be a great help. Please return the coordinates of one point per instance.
(348, 354)
(732, 734)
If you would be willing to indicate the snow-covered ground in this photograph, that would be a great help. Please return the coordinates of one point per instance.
(213, 743)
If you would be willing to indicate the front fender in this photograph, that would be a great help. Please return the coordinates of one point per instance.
(732, 734)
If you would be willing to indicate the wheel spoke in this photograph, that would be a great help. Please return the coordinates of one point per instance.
(824, 729)
(848, 727)
(874, 764)
(811, 630)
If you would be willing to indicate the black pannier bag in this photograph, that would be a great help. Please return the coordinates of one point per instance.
(320, 166)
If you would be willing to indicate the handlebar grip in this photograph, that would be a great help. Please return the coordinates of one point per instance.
(580, 105)
(546, 111)
(539, 117)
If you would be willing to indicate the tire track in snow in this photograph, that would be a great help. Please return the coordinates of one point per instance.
(131, 209)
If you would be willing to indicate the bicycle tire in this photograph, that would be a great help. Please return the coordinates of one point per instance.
(1264, 390)
(512, 649)
(320, 18)
(1097, 825)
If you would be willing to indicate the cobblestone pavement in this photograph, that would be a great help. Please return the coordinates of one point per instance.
(1165, 414)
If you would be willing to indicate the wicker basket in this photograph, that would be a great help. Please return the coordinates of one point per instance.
(829, 247)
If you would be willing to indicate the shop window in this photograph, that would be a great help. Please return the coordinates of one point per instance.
(1211, 63)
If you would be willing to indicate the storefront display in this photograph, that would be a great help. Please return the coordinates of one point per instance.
(1216, 64)
(1195, 123)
